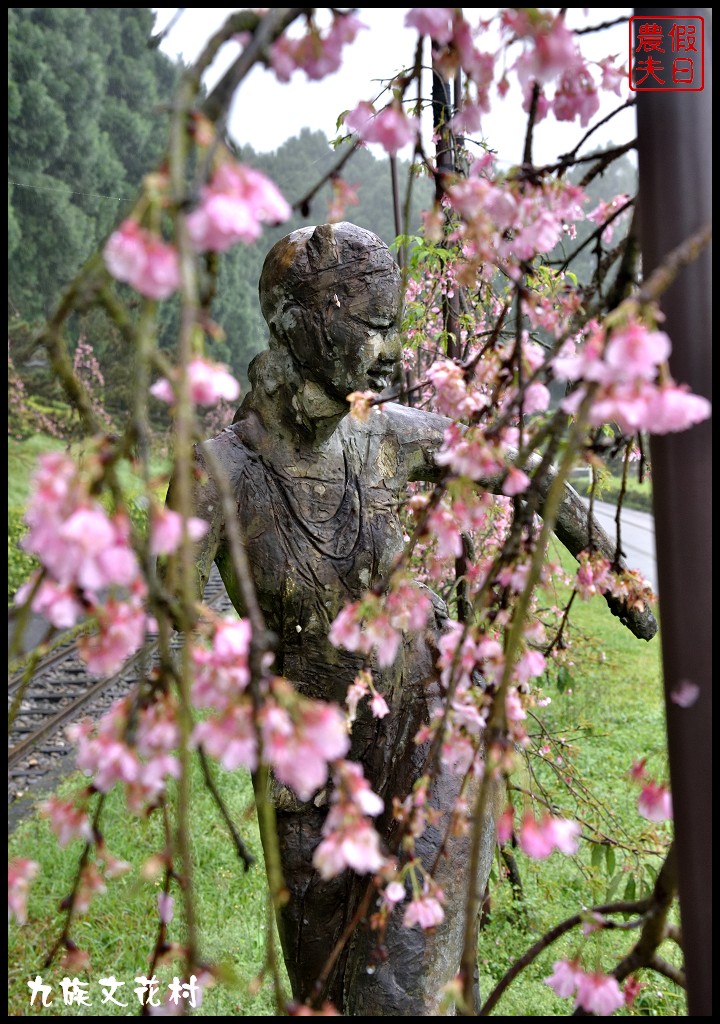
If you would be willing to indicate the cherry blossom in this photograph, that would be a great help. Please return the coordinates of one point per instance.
(378, 706)
(551, 48)
(391, 128)
(233, 208)
(565, 978)
(210, 383)
(393, 893)
(349, 840)
(222, 666)
(599, 994)
(167, 528)
(515, 482)
(299, 743)
(634, 352)
(59, 603)
(317, 55)
(165, 907)
(94, 550)
(593, 574)
(230, 738)
(141, 259)
(121, 632)
(361, 404)
(538, 839)
(576, 96)
(685, 694)
(67, 821)
(655, 802)
(425, 910)
(21, 872)
(604, 210)
(453, 397)
(436, 22)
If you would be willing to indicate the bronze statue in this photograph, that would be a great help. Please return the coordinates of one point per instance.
(318, 494)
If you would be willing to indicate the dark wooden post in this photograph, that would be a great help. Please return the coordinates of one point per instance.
(675, 156)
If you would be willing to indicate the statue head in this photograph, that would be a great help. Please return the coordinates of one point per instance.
(332, 296)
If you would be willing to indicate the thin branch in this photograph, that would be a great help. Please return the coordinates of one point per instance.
(242, 851)
(621, 907)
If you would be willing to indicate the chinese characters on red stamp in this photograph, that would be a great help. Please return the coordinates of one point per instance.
(667, 53)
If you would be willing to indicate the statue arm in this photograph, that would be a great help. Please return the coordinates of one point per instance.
(421, 435)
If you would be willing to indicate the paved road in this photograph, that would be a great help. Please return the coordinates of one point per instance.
(637, 535)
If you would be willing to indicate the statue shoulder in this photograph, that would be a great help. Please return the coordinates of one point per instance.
(419, 435)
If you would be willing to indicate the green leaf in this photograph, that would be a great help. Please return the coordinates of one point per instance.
(610, 860)
(613, 886)
(564, 679)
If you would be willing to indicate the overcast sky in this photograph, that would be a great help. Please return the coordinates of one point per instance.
(265, 112)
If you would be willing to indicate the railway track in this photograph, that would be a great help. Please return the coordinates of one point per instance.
(62, 691)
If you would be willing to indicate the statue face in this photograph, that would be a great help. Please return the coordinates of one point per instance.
(361, 346)
(332, 296)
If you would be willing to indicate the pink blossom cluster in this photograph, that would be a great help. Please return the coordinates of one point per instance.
(222, 668)
(425, 910)
(21, 872)
(299, 737)
(464, 656)
(594, 992)
(655, 800)
(376, 624)
(167, 529)
(454, 49)
(469, 453)
(551, 55)
(593, 574)
(506, 220)
(455, 396)
(350, 841)
(605, 211)
(436, 22)
(67, 820)
(390, 127)
(84, 553)
(362, 686)
(554, 308)
(88, 563)
(143, 764)
(624, 364)
(233, 207)
(538, 838)
(316, 54)
(209, 384)
(141, 258)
